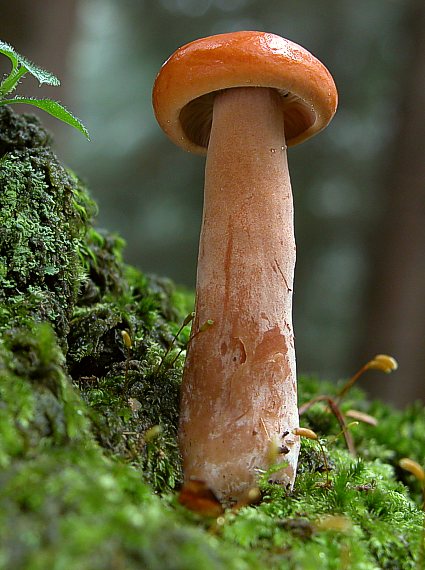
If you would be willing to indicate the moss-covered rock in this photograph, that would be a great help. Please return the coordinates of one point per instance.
(90, 368)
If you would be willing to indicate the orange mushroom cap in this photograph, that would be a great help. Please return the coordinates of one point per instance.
(184, 89)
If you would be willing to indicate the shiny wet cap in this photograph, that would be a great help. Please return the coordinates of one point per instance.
(184, 89)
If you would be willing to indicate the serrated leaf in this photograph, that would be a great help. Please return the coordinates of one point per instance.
(53, 108)
(39, 73)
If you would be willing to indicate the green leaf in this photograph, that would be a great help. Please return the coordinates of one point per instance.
(9, 52)
(20, 66)
(42, 75)
(9, 83)
(53, 108)
(39, 73)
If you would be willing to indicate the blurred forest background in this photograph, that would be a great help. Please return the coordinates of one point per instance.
(359, 186)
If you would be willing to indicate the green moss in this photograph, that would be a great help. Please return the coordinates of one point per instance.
(43, 217)
(89, 464)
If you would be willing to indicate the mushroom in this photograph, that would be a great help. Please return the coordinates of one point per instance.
(241, 98)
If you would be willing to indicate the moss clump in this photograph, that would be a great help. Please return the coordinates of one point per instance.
(89, 381)
(132, 389)
(63, 503)
(43, 218)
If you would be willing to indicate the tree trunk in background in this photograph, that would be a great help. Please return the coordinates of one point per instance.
(41, 31)
(397, 299)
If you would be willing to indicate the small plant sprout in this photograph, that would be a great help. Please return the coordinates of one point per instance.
(126, 339)
(310, 434)
(20, 67)
(187, 320)
(205, 326)
(361, 417)
(202, 329)
(347, 427)
(305, 432)
(415, 469)
(381, 362)
(128, 345)
(335, 409)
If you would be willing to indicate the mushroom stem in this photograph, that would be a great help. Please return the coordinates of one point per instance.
(239, 386)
